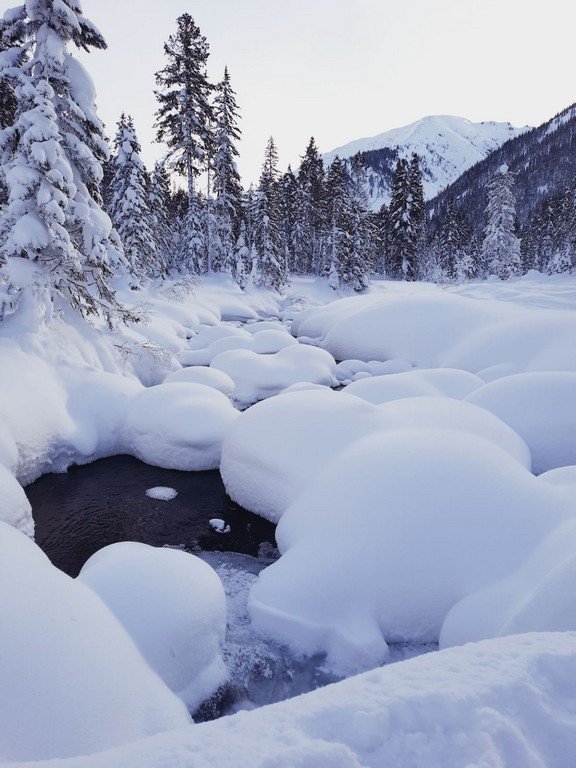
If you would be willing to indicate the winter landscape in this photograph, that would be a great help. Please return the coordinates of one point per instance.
(287, 459)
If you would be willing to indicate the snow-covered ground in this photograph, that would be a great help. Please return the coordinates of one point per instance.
(433, 499)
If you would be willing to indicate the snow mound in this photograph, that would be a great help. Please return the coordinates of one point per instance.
(506, 702)
(539, 596)
(441, 382)
(162, 493)
(15, 508)
(178, 426)
(541, 408)
(434, 328)
(204, 375)
(207, 336)
(397, 529)
(260, 376)
(172, 604)
(278, 446)
(563, 476)
(347, 370)
(266, 342)
(73, 682)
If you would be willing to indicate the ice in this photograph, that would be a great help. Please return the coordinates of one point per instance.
(162, 493)
(73, 682)
(178, 426)
(393, 533)
(172, 605)
(541, 408)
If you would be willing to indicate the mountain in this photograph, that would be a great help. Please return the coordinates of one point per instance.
(543, 160)
(446, 145)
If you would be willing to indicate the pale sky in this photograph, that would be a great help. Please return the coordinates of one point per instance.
(343, 69)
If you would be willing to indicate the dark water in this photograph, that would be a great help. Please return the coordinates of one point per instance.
(89, 507)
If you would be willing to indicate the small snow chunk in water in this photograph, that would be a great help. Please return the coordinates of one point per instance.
(219, 525)
(162, 493)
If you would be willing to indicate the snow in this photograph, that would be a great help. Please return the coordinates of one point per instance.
(73, 682)
(259, 376)
(438, 514)
(277, 447)
(264, 342)
(219, 525)
(204, 375)
(446, 146)
(441, 382)
(541, 408)
(162, 493)
(506, 702)
(172, 605)
(178, 426)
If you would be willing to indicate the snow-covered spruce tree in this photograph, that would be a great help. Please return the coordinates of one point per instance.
(52, 159)
(400, 231)
(159, 204)
(183, 121)
(310, 211)
(11, 37)
(347, 243)
(270, 265)
(227, 186)
(242, 258)
(288, 191)
(130, 206)
(415, 264)
(501, 247)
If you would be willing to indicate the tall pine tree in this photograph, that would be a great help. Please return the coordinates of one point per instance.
(501, 247)
(184, 122)
(271, 269)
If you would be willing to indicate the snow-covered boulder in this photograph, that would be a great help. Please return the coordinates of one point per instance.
(172, 604)
(207, 336)
(541, 408)
(441, 382)
(73, 682)
(264, 342)
(278, 446)
(200, 374)
(178, 426)
(539, 596)
(396, 530)
(347, 370)
(565, 477)
(508, 703)
(260, 376)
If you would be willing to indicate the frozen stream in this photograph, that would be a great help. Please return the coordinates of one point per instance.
(89, 507)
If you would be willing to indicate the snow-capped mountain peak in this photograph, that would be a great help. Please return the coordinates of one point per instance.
(446, 145)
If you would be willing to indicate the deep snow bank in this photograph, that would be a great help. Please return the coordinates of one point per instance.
(507, 702)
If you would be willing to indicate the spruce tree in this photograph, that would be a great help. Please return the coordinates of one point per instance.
(501, 247)
(288, 193)
(271, 269)
(183, 121)
(52, 158)
(309, 211)
(130, 205)
(159, 204)
(226, 179)
(400, 232)
(415, 263)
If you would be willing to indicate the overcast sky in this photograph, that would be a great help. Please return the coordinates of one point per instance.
(343, 69)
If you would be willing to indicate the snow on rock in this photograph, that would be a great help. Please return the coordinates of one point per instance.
(15, 508)
(265, 342)
(260, 376)
(73, 682)
(178, 426)
(539, 596)
(541, 408)
(278, 446)
(209, 335)
(162, 493)
(396, 530)
(346, 370)
(441, 382)
(562, 476)
(507, 702)
(204, 375)
(219, 525)
(172, 604)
